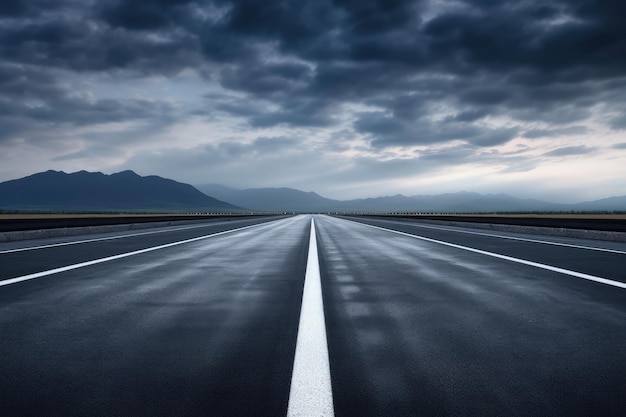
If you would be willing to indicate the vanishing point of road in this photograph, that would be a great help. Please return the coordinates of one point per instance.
(312, 316)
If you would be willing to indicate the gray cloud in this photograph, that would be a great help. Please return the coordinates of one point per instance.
(356, 51)
(618, 122)
(399, 73)
(387, 130)
(571, 150)
(260, 147)
(33, 99)
(564, 131)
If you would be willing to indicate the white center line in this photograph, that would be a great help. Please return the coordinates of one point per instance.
(114, 257)
(510, 258)
(311, 393)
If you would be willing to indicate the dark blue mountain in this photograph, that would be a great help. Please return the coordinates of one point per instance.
(609, 204)
(95, 191)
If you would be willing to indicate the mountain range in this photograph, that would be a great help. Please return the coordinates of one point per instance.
(95, 191)
(271, 199)
(289, 199)
(127, 191)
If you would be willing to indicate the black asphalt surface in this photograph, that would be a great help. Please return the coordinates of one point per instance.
(603, 264)
(203, 329)
(420, 329)
(415, 328)
(22, 263)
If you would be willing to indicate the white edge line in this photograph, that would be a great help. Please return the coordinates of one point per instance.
(311, 393)
(545, 242)
(510, 258)
(54, 245)
(114, 257)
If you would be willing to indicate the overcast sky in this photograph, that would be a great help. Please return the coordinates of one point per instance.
(349, 98)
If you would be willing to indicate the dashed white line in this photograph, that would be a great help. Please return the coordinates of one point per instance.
(114, 257)
(311, 392)
(509, 258)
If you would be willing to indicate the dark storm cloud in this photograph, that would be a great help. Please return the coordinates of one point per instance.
(276, 78)
(296, 111)
(305, 112)
(470, 115)
(566, 37)
(32, 97)
(144, 15)
(387, 130)
(304, 60)
(73, 35)
(618, 122)
(84, 46)
(575, 39)
(30, 8)
(79, 112)
(20, 82)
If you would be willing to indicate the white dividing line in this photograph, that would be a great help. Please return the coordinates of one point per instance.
(545, 242)
(114, 257)
(510, 258)
(311, 393)
(98, 239)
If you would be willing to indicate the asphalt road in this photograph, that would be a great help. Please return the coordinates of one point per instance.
(420, 321)
(420, 328)
(200, 329)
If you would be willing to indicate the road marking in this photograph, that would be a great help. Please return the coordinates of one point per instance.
(311, 393)
(54, 245)
(114, 257)
(510, 258)
(546, 242)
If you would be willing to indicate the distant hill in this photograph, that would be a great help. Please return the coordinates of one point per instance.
(95, 191)
(461, 202)
(289, 199)
(270, 199)
(611, 203)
